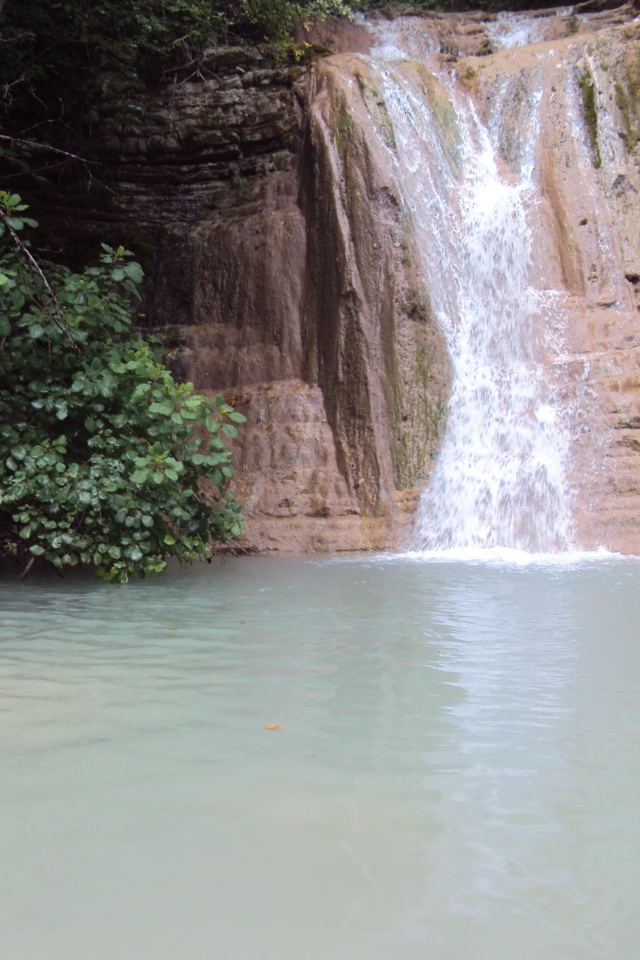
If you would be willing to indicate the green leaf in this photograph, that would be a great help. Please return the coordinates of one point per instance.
(164, 408)
(134, 272)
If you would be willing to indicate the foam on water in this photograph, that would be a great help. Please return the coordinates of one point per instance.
(496, 556)
(513, 557)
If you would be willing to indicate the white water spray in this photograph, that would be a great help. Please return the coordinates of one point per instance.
(500, 481)
(510, 30)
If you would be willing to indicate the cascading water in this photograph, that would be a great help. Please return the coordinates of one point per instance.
(500, 481)
(510, 30)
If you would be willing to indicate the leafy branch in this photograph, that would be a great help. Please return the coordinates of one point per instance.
(107, 461)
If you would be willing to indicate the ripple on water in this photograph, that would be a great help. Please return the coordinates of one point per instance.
(454, 765)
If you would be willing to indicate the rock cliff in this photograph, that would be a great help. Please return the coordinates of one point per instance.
(263, 202)
(280, 272)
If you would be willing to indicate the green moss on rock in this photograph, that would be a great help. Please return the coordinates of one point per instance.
(590, 113)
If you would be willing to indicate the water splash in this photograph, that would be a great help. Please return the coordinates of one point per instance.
(500, 481)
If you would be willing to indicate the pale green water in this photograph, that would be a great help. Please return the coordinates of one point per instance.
(458, 777)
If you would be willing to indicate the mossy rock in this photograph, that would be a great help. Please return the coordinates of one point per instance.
(590, 112)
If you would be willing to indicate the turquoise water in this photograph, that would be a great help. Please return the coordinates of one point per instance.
(457, 777)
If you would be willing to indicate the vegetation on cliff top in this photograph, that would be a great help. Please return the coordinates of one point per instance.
(116, 41)
(107, 44)
(106, 460)
(61, 56)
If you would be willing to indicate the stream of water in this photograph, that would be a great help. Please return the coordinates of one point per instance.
(501, 476)
(457, 775)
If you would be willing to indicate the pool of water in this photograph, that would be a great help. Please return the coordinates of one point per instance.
(456, 777)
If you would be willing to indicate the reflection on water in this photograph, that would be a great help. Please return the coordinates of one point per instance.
(458, 774)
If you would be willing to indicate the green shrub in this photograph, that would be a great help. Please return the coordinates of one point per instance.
(104, 459)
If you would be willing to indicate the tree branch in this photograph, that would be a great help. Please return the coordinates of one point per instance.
(31, 559)
(35, 266)
(47, 146)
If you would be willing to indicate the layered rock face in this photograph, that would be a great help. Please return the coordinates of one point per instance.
(280, 272)
(283, 266)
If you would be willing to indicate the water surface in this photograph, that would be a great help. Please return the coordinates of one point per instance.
(457, 777)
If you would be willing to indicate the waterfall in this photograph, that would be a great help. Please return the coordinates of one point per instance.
(500, 479)
(510, 30)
